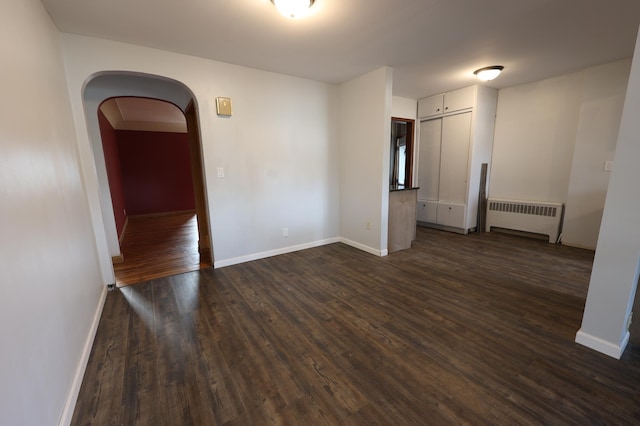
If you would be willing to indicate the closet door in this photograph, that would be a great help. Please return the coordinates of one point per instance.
(429, 159)
(454, 158)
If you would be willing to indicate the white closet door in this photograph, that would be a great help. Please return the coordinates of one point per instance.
(429, 159)
(454, 158)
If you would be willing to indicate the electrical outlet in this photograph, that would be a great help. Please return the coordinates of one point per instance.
(285, 232)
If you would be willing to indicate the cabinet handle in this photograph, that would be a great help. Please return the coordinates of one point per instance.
(446, 108)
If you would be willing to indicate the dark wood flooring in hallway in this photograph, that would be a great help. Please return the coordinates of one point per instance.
(475, 329)
(159, 246)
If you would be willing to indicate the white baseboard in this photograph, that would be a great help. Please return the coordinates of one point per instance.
(72, 397)
(276, 252)
(602, 346)
(291, 249)
(362, 247)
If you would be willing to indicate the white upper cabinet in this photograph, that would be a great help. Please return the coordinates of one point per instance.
(431, 106)
(446, 103)
(459, 99)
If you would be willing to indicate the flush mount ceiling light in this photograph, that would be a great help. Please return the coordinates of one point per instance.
(489, 73)
(293, 8)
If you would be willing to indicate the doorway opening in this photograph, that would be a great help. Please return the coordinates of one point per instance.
(175, 112)
(153, 176)
(401, 158)
(154, 172)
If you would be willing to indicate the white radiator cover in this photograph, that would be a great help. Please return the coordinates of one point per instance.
(529, 216)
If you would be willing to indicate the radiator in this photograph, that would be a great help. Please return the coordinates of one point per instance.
(528, 216)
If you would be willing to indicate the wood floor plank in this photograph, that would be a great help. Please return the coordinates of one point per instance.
(475, 329)
(159, 246)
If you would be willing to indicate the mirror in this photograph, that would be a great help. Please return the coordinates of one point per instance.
(401, 159)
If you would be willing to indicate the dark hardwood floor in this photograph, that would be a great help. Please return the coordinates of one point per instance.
(475, 329)
(159, 246)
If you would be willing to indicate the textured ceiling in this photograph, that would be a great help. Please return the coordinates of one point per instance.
(433, 45)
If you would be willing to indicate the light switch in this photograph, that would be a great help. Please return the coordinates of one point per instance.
(221, 172)
(608, 166)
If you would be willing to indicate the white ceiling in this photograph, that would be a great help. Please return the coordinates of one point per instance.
(433, 45)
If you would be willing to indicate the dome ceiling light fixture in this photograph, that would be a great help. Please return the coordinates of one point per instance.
(488, 73)
(293, 8)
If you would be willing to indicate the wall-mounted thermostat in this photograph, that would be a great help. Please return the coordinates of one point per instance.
(223, 106)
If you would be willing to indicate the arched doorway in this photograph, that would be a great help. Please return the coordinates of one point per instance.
(136, 86)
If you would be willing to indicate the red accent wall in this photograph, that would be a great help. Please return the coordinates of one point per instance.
(114, 176)
(156, 171)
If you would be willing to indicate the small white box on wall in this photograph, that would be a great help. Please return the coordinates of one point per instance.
(223, 107)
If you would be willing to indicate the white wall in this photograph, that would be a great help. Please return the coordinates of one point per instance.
(534, 136)
(52, 289)
(483, 129)
(552, 138)
(365, 131)
(603, 95)
(616, 266)
(404, 108)
(278, 150)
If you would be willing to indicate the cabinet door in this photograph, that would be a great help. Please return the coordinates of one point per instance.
(451, 215)
(459, 99)
(428, 107)
(454, 158)
(427, 211)
(429, 159)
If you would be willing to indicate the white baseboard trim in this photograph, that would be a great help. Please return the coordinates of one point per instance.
(276, 252)
(602, 346)
(72, 397)
(362, 247)
(291, 249)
